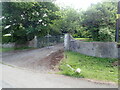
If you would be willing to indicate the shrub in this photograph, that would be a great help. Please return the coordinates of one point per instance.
(106, 34)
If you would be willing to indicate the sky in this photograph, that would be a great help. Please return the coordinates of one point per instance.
(77, 4)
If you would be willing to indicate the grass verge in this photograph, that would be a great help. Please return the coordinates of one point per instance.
(11, 49)
(91, 67)
(84, 39)
(6, 49)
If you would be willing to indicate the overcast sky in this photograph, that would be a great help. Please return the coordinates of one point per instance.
(77, 4)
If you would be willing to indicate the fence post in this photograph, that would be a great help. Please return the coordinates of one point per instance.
(67, 41)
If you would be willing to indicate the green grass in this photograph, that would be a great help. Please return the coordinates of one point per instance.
(6, 49)
(83, 39)
(11, 49)
(91, 67)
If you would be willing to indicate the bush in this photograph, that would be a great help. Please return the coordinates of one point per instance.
(6, 39)
(106, 34)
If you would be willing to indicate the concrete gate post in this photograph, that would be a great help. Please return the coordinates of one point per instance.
(67, 41)
(35, 41)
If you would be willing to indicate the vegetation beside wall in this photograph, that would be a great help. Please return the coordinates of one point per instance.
(84, 39)
(24, 20)
(91, 67)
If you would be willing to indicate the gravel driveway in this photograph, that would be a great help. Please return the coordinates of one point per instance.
(35, 60)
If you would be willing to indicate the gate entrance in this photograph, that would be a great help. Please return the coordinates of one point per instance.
(49, 40)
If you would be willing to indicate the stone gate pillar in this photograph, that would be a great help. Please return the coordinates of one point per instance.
(35, 41)
(67, 41)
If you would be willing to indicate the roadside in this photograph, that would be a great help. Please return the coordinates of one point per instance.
(35, 69)
(98, 69)
(18, 78)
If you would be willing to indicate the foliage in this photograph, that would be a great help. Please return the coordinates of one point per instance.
(106, 34)
(68, 23)
(100, 20)
(24, 20)
(97, 22)
(91, 67)
(84, 39)
(6, 39)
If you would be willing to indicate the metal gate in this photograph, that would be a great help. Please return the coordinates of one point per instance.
(49, 40)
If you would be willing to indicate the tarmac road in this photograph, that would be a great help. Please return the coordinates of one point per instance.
(22, 78)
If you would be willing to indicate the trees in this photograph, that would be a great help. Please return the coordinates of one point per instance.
(97, 22)
(24, 20)
(69, 21)
(100, 21)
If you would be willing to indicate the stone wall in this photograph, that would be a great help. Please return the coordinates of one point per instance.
(97, 49)
(7, 45)
(32, 43)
